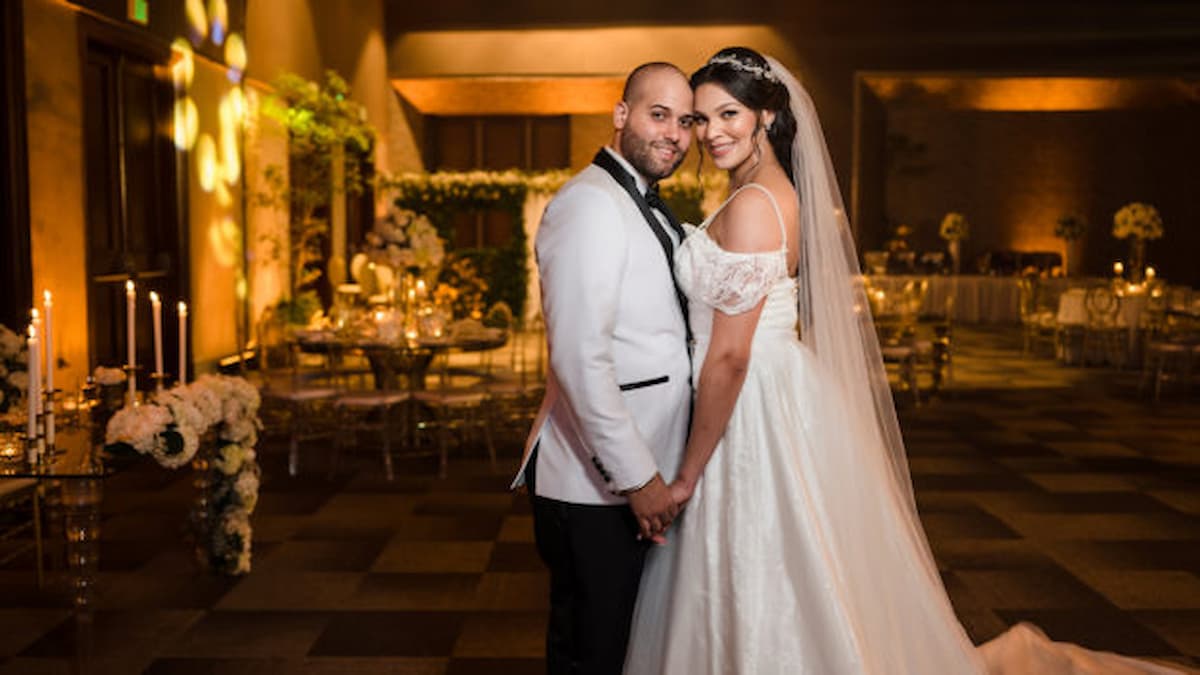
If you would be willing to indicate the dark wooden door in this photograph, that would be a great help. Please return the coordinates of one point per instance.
(133, 224)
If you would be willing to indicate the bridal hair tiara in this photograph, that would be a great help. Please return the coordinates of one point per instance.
(759, 72)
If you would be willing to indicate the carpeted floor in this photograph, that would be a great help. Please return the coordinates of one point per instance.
(1050, 494)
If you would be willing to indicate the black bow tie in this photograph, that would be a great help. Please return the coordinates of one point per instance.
(655, 201)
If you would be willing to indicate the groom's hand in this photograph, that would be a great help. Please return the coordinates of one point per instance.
(654, 508)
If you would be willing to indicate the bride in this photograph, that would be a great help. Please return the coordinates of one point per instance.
(800, 549)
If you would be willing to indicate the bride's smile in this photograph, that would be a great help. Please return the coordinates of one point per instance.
(727, 128)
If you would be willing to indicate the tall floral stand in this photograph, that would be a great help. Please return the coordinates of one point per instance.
(200, 519)
(212, 425)
(955, 248)
(1137, 259)
(220, 517)
(1072, 254)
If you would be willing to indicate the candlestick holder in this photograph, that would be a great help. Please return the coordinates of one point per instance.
(46, 420)
(31, 451)
(131, 383)
(159, 379)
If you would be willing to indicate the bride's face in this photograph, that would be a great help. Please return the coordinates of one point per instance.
(727, 128)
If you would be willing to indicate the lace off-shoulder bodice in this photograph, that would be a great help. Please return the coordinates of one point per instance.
(734, 282)
(726, 280)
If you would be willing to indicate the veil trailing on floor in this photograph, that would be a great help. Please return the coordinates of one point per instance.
(895, 605)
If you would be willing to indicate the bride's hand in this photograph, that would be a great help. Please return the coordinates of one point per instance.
(681, 491)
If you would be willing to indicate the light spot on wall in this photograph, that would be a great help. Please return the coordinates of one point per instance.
(228, 113)
(187, 123)
(197, 21)
(235, 57)
(206, 162)
(225, 241)
(183, 64)
(218, 14)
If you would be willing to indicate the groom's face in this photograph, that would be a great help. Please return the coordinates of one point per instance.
(654, 123)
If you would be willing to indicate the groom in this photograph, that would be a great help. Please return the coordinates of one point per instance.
(614, 420)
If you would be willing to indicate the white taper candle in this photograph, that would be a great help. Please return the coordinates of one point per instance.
(182, 342)
(34, 394)
(156, 313)
(131, 338)
(48, 348)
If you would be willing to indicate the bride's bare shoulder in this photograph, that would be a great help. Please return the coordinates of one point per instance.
(747, 223)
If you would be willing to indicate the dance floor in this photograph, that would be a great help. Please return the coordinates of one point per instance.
(1050, 494)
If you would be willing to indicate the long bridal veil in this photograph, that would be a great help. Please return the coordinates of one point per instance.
(888, 583)
(893, 598)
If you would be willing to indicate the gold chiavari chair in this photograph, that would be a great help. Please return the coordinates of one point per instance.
(1103, 335)
(1039, 325)
(1171, 352)
(297, 392)
(896, 314)
(457, 398)
(382, 409)
(516, 392)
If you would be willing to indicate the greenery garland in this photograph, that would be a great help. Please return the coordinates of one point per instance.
(442, 195)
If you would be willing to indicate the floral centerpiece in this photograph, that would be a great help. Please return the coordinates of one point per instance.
(954, 229)
(1139, 223)
(1070, 228)
(111, 384)
(403, 241)
(14, 375)
(461, 289)
(170, 428)
(1137, 220)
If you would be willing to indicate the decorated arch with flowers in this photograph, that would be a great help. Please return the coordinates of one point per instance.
(521, 195)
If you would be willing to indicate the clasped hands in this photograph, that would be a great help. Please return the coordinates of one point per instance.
(656, 504)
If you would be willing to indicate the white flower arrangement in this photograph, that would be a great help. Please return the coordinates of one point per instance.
(1070, 227)
(236, 534)
(1137, 220)
(14, 378)
(954, 227)
(246, 487)
(230, 457)
(169, 428)
(151, 430)
(106, 376)
(403, 239)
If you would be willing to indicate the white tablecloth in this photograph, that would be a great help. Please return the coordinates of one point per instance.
(979, 299)
(1072, 310)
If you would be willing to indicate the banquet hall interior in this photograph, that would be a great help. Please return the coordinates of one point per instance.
(271, 336)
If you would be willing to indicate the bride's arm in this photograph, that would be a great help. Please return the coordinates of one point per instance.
(747, 224)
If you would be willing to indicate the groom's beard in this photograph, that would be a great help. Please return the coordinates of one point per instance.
(645, 156)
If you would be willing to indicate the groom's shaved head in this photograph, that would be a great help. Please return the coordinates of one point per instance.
(634, 84)
(652, 123)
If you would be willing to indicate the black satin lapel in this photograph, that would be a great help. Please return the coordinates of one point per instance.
(605, 161)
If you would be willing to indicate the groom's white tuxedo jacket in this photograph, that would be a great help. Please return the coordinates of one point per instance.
(618, 392)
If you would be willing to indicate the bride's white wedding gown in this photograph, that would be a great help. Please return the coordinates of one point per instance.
(793, 557)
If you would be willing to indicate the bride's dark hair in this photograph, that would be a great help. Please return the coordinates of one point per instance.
(745, 74)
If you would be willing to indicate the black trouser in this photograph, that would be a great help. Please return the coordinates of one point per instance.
(595, 562)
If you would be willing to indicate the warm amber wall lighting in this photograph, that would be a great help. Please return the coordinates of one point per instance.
(1032, 94)
(511, 95)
